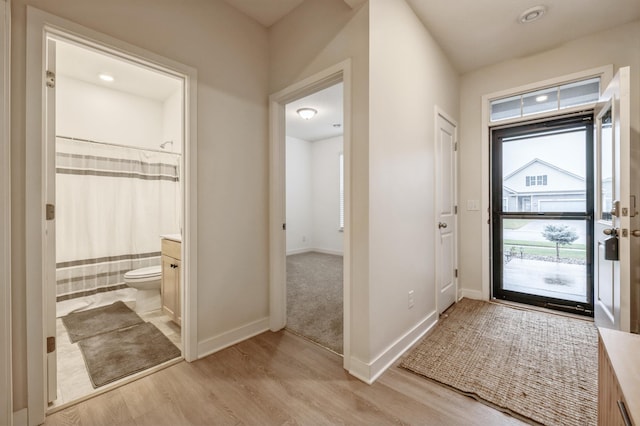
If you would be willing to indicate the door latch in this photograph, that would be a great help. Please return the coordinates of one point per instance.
(50, 211)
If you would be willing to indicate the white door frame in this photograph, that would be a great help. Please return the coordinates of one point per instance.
(39, 26)
(440, 113)
(6, 404)
(277, 200)
(605, 73)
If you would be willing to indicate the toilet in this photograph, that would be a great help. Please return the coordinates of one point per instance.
(147, 282)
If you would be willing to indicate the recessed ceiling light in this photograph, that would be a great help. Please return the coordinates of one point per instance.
(541, 98)
(106, 77)
(307, 113)
(532, 14)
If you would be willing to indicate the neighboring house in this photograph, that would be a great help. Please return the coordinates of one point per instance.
(539, 186)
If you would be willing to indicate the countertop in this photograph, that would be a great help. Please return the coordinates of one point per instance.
(172, 237)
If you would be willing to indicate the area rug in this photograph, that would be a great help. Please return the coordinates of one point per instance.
(539, 367)
(314, 298)
(92, 322)
(120, 353)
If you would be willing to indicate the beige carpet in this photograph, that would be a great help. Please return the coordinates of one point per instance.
(542, 368)
(314, 298)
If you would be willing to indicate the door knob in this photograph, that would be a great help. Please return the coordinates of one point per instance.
(612, 231)
(442, 225)
(636, 232)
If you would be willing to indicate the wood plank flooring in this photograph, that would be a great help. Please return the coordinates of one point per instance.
(273, 379)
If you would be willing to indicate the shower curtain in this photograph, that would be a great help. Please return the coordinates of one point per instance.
(112, 205)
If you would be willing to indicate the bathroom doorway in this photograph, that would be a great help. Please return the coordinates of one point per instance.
(315, 217)
(43, 31)
(118, 203)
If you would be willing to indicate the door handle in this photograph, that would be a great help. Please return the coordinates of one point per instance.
(442, 225)
(636, 232)
(613, 232)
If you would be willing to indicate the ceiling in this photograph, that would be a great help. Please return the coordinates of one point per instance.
(86, 65)
(476, 33)
(328, 103)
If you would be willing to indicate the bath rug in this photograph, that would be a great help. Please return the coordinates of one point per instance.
(81, 325)
(540, 367)
(120, 353)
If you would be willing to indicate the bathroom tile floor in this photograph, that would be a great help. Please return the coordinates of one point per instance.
(73, 379)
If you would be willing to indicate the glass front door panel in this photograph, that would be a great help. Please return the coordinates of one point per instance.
(545, 258)
(545, 172)
(606, 168)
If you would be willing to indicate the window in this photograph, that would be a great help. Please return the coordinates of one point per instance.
(540, 180)
(341, 213)
(545, 100)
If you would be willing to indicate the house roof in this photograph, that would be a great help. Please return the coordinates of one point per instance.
(545, 163)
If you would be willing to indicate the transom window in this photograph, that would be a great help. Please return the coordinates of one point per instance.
(545, 100)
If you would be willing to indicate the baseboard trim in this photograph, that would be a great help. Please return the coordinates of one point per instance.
(370, 372)
(231, 337)
(317, 250)
(470, 294)
(21, 417)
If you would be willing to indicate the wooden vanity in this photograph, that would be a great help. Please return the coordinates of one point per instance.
(170, 288)
(618, 378)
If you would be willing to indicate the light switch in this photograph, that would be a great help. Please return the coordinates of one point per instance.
(473, 205)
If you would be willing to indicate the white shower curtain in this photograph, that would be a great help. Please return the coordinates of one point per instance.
(112, 205)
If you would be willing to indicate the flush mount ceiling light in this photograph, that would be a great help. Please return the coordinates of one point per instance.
(541, 98)
(105, 77)
(532, 14)
(307, 113)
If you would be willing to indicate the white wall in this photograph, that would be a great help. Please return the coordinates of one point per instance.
(409, 76)
(98, 113)
(298, 195)
(172, 123)
(325, 168)
(230, 53)
(620, 47)
(313, 195)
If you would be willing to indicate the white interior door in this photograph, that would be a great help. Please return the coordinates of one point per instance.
(613, 204)
(50, 223)
(446, 259)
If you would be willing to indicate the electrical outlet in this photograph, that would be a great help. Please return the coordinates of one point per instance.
(411, 301)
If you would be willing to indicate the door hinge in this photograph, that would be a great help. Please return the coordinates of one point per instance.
(284, 226)
(455, 146)
(455, 209)
(50, 211)
(455, 273)
(50, 79)
(51, 344)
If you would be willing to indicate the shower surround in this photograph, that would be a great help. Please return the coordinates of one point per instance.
(112, 204)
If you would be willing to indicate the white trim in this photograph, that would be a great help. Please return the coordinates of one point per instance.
(277, 206)
(315, 249)
(370, 372)
(231, 337)
(6, 403)
(604, 72)
(20, 417)
(470, 294)
(39, 26)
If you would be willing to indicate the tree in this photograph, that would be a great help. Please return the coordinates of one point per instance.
(559, 234)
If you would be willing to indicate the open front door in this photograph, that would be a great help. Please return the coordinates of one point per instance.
(50, 223)
(614, 206)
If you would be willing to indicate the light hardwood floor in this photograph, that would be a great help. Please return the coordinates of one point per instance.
(273, 379)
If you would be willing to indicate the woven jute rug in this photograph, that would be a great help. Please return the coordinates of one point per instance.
(539, 367)
(92, 322)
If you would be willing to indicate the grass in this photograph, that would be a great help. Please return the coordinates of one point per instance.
(545, 249)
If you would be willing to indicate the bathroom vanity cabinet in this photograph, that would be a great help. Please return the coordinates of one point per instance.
(170, 288)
